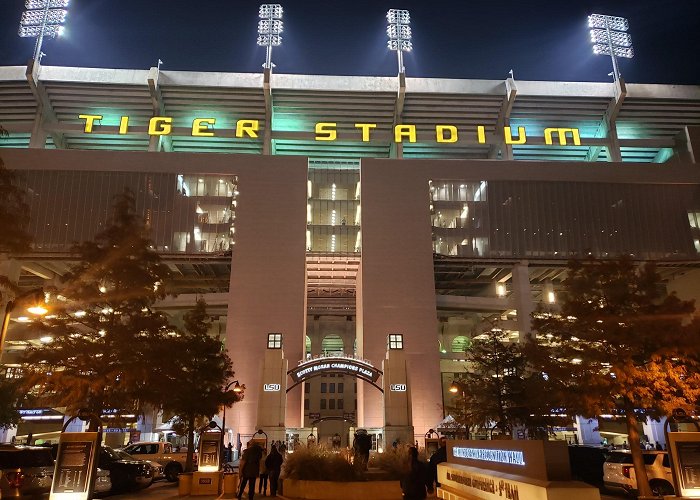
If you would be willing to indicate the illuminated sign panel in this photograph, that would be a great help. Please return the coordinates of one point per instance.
(510, 457)
(347, 366)
(398, 387)
(271, 387)
(327, 131)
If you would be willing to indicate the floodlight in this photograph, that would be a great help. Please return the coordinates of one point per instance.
(43, 18)
(609, 38)
(399, 33)
(269, 28)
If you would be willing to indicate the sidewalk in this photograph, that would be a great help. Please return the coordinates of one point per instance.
(163, 491)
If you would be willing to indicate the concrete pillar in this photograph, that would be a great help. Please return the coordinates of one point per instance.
(654, 431)
(522, 298)
(587, 431)
(272, 403)
(397, 398)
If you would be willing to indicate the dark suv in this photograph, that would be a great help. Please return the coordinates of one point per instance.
(25, 470)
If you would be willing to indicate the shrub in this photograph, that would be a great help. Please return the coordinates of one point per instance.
(394, 461)
(319, 464)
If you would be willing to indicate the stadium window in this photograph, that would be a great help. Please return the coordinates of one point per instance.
(395, 341)
(331, 404)
(323, 404)
(332, 387)
(306, 404)
(274, 341)
(324, 387)
(307, 387)
(340, 404)
(341, 387)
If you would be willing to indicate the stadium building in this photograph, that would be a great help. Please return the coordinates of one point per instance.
(352, 235)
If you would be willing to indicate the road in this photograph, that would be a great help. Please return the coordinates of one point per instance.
(162, 490)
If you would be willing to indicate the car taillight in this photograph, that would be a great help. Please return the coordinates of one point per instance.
(15, 479)
(626, 470)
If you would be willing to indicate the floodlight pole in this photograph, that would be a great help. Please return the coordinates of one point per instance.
(40, 39)
(616, 68)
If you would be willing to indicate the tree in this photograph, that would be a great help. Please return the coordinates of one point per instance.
(620, 345)
(9, 416)
(198, 371)
(107, 341)
(14, 218)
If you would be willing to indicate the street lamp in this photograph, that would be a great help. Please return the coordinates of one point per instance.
(399, 32)
(270, 28)
(610, 38)
(238, 389)
(37, 305)
(42, 18)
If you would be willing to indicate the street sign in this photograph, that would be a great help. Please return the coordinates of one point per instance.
(209, 451)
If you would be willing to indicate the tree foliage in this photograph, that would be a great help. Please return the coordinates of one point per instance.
(108, 342)
(620, 345)
(14, 213)
(9, 417)
(194, 383)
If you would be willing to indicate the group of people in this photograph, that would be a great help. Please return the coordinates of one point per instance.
(257, 463)
(421, 478)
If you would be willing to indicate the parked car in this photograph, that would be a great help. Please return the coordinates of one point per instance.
(163, 453)
(618, 472)
(103, 482)
(25, 470)
(587, 463)
(158, 469)
(126, 475)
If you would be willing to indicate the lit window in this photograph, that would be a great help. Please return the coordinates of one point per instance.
(395, 341)
(274, 341)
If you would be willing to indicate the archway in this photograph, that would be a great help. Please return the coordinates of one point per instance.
(332, 344)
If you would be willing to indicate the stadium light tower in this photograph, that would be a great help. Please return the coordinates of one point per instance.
(610, 38)
(399, 32)
(270, 28)
(41, 19)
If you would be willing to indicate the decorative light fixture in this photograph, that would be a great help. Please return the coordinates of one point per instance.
(270, 29)
(43, 18)
(399, 32)
(610, 38)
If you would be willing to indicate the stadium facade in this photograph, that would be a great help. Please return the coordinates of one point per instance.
(352, 235)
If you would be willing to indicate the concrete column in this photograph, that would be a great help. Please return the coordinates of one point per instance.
(397, 398)
(522, 298)
(272, 403)
(586, 430)
(654, 431)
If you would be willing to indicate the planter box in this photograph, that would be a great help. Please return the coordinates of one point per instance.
(330, 490)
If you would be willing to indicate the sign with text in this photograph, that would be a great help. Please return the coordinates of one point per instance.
(209, 451)
(345, 366)
(74, 473)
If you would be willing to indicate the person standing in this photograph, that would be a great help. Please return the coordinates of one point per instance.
(273, 462)
(262, 488)
(417, 482)
(249, 468)
(438, 457)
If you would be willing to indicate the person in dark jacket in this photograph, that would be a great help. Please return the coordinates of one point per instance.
(273, 462)
(417, 482)
(438, 457)
(249, 468)
(361, 447)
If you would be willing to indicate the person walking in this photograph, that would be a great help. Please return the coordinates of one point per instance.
(262, 488)
(417, 482)
(273, 462)
(249, 468)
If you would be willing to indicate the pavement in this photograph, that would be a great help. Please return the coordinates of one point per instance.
(164, 490)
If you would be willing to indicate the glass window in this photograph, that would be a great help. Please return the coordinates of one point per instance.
(307, 387)
(341, 387)
(306, 404)
(332, 387)
(324, 387)
(323, 404)
(395, 341)
(274, 341)
(340, 404)
(331, 404)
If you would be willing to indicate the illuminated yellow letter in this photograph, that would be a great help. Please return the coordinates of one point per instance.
(89, 121)
(366, 127)
(160, 125)
(123, 124)
(328, 131)
(481, 134)
(401, 131)
(247, 127)
(561, 132)
(440, 133)
(199, 130)
(508, 136)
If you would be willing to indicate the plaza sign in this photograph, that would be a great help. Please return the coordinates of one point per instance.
(328, 131)
(324, 366)
(511, 457)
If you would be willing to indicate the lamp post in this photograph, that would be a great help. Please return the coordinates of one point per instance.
(270, 28)
(37, 306)
(237, 388)
(610, 38)
(43, 18)
(399, 32)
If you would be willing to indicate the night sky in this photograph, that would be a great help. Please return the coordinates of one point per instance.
(538, 39)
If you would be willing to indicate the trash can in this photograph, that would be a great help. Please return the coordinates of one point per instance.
(184, 484)
(230, 483)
